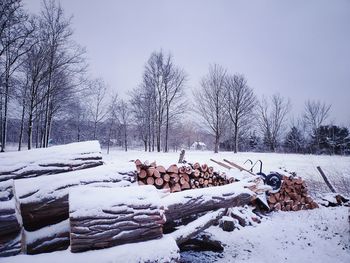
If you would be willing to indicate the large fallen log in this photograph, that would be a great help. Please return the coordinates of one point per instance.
(48, 239)
(162, 250)
(44, 200)
(53, 160)
(187, 203)
(102, 218)
(10, 221)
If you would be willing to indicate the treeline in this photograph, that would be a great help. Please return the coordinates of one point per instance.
(47, 97)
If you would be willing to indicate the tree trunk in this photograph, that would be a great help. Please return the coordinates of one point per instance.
(30, 127)
(4, 124)
(128, 219)
(235, 146)
(22, 126)
(167, 130)
(216, 146)
(125, 138)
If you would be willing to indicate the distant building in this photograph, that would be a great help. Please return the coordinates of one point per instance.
(199, 146)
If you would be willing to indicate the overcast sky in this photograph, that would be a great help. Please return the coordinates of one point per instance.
(300, 49)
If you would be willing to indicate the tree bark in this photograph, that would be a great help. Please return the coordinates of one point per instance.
(48, 239)
(119, 220)
(10, 219)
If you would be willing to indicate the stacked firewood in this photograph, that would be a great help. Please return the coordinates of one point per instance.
(178, 178)
(292, 196)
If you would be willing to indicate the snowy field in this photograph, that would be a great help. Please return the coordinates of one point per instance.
(337, 168)
(320, 235)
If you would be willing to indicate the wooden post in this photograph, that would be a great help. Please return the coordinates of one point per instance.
(330, 186)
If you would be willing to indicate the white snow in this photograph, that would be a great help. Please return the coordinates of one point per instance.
(320, 235)
(54, 185)
(34, 158)
(88, 201)
(61, 227)
(161, 250)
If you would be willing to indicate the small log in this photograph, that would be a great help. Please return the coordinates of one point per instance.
(196, 173)
(166, 177)
(159, 181)
(176, 188)
(185, 186)
(182, 169)
(173, 169)
(142, 174)
(150, 180)
(150, 171)
(161, 169)
(204, 167)
(156, 174)
(127, 215)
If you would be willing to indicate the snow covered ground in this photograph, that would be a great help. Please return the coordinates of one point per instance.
(320, 235)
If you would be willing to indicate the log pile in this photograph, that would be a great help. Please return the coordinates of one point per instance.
(292, 196)
(178, 178)
(44, 200)
(10, 221)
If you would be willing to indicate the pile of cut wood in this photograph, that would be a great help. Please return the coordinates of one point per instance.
(178, 178)
(292, 196)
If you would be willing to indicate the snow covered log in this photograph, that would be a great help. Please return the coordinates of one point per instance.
(162, 250)
(53, 160)
(10, 221)
(48, 239)
(190, 230)
(44, 199)
(187, 203)
(102, 218)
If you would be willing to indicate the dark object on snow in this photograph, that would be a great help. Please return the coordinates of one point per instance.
(182, 156)
(10, 221)
(202, 243)
(274, 180)
(227, 225)
(332, 200)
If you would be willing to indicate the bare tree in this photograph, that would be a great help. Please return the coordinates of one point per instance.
(315, 114)
(210, 102)
(63, 55)
(240, 104)
(272, 115)
(112, 118)
(97, 103)
(140, 110)
(163, 85)
(16, 28)
(124, 117)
